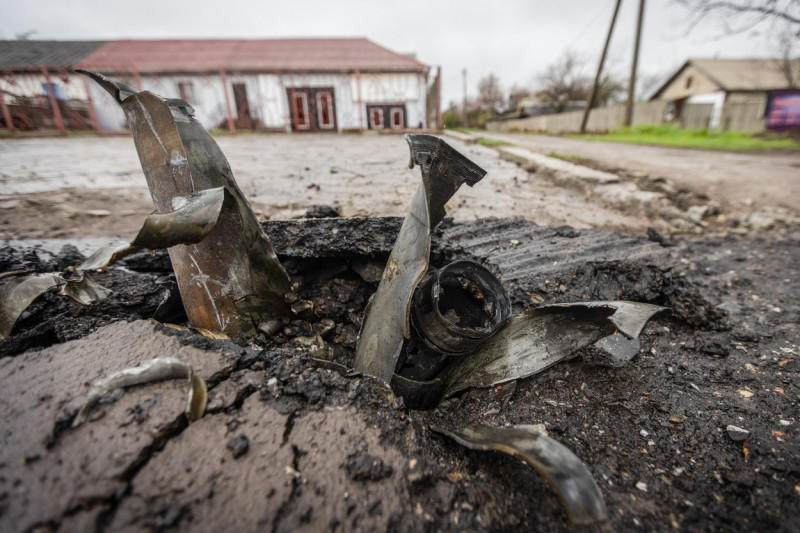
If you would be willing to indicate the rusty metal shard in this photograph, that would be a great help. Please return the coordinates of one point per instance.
(231, 281)
(195, 215)
(158, 369)
(541, 337)
(386, 322)
(18, 293)
(563, 470)
(118, 90)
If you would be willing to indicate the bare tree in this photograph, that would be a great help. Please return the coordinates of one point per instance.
(647, 84)
(738, 16)
(490, 93)
(611, 90)
(563, 81)
(785, 38)
(516, 95)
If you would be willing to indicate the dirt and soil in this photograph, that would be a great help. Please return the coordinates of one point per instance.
(295, 441)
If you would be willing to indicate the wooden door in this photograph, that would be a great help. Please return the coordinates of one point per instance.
(312, 108)
(243, 119)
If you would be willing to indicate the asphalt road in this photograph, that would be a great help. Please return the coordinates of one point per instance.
(94, 186)
(738, 180)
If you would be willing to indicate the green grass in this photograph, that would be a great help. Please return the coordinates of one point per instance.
(666, 135)
(577, 159)
(484, 141)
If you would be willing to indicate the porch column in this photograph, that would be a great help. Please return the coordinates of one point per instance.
(360, 103)
(53, 102)
(6, 114)
(224, 78)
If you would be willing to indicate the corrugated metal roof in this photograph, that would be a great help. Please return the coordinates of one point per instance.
(196, 55)
(15, 55)
(747, 74)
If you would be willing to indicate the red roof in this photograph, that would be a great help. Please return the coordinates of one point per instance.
(205, 55)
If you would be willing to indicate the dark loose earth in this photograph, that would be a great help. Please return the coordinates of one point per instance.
(294, 441)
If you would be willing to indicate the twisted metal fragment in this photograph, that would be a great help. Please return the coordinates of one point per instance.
(563, 470)
(386, 321)
(542, 336)
(20, 291)
(195, 216)
(159, 369)
(231, 281)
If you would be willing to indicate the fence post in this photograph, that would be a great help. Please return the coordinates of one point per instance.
(6, 114)
(137, 79)
(224, 78)
(360, 103)
(53, 102)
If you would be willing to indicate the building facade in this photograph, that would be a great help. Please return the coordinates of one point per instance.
(734, 94)
(292, 85)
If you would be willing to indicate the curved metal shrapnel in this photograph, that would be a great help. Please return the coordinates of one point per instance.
(230, 281)
(386, 322)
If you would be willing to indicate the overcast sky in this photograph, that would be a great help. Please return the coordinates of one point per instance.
(515, 39)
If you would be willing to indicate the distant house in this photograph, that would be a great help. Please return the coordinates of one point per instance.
(262, 84)
(734, 94)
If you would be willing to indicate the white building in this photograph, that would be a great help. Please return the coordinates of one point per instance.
(272, 84)
(263, 84)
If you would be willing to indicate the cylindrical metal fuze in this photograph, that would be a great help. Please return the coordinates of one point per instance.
(459, 307)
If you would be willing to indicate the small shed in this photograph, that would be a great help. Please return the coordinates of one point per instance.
(730, 94)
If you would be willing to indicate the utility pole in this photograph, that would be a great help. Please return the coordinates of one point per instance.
(596, 84)
(464, 76)
(634, 64)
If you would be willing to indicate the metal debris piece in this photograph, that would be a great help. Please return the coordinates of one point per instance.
(230, 281)
(84, 289)
(563, 470)
(542, 336)
(459, 307)
(159, 369)
(18, 293)
(386, 321)
(194, 217)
